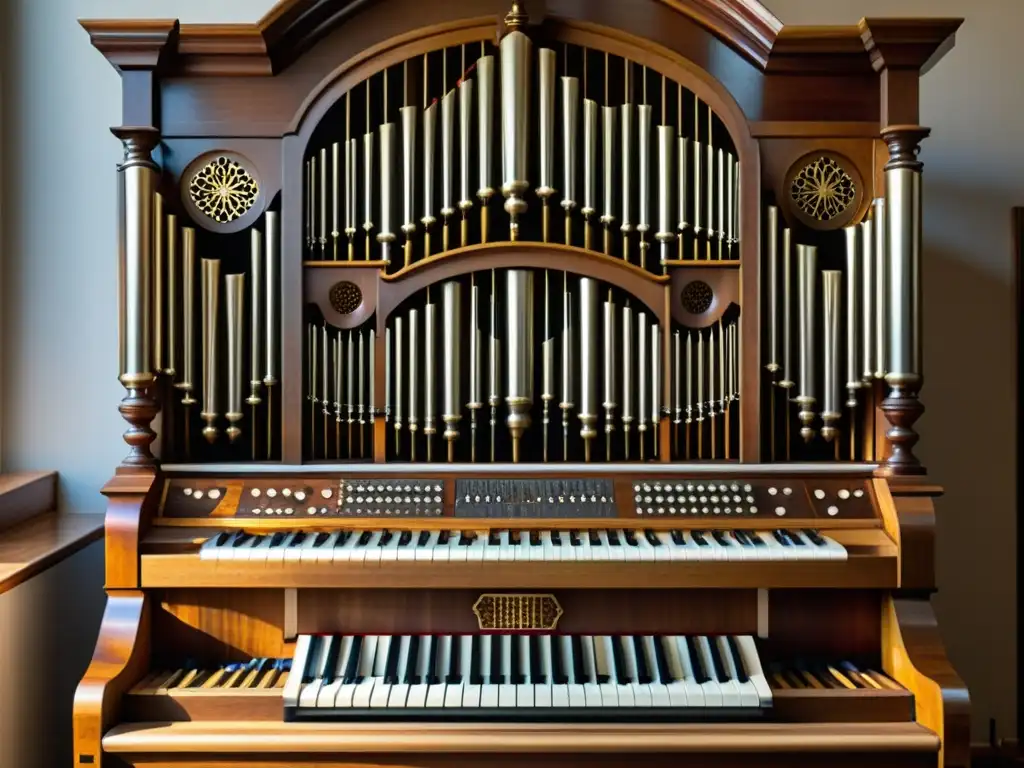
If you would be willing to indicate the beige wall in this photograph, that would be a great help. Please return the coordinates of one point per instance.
(59, 356)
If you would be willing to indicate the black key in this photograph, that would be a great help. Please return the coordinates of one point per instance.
(314, 651)
(652, 538)
(556, 538)
(664, 673)
(241, 538)
(321, 539)
(631, 538)
(299, 538)
(557, 667)
(721, 538)
(716, 661)
(411, 678)
(496, 677)
(433, 662)
(574, 538)
(454, 666)
(795, 539)
(331, 662)
(443, 536)
(494, 539)
(364, 538)
(391, 663)
(621, 674)
(343, 536)
(643, 673)
(698, 536)
(677, 538)
(423, 538)
(755, 539)
(514, 667)
(814, 537)
(385, 537)
(779, 537)
(578, 672)
(535, 539)
(404, 538)
(277, 538)
(595, 539)
(613, 539)
(475, 678)
(536, 672)
(697, 661)
(352, 665)
(741, 672)
(222, 538)
(741, 538)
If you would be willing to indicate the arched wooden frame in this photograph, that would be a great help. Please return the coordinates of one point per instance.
(662, 60)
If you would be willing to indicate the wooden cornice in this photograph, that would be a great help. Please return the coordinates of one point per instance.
(819, 50)
(746, 25)
(133, 44)
(915, 44)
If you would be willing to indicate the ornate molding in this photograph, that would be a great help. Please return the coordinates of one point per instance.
(133, 45)
(904, 142)
(916, 44)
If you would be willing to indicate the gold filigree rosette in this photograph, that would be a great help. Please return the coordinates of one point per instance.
(223, 190)
(822, 190)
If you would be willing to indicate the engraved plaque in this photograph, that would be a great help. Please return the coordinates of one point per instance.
(520, 612)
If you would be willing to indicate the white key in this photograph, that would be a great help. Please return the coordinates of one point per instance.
(400, 690)
(641, 691)
(566, 552)
(381, 688)
(455, 693)
(524, 691)
(617, 552)
(577, 695)
(492, 552)
(457, 552)
(542, 691)
(311, 690)
(601, 553)
(551, 553)
(329, 692)
(694, 691)
(604, 660)
(346, 551)
(325, 553)
(367, 662)
(747, 692)
(308, 552)
(832, 549)
(505, 553)
(559, 691)
(591, 690)
(647, 550)
(371, 554)
(731, 693)
(776, 551)
(489, 691)
(258, 554)
(442, 552)
(293, 550)
(389, 552)
(426, 552)
(677, 690)
(293, 684)
(713, 694)
(435, 692)
(585, 552)
(475, 552)
(736, 550)
(208, 549)
(752, 664)
(239, 552)
(408, 552)
(418, 691)
(506, 691)
(659, 691)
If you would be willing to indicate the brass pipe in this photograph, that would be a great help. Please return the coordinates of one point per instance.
(689, 389)
(485, 129)
(159, 257)
(235, 307)
(610, 397)
(325, 395)
(881, 288)
(547, 348)
(608, 150)
(429, 141)
(807, 256)
(387, 374)
(832, 306)
(188, 268)
(644, 117)
(626, 152)
(323, 203)
(371, 389)
(172, 296)
(643, 368)
(588, 362)
(493, 397)
(546, 121)
(399, 373)
(788, 370)
(368, 180)
(665, 234)
(711, 392)
(256, 331)
(853, 315)
(211, 306)
(657, 382)
(515, 50)
(429, 396)
(677, 387)
(387, 157)
(360, 390)
(475, 363)
(589, 167)
(414, 376)
(451, 308)
(869, 295)
(700, 395)
(350, 376)
(570, 134)
(335, 197)
(627, 376)
(519, 327)
(567, 403)
(407, 115)
(447, 163)
(465, 123)
(336, 389)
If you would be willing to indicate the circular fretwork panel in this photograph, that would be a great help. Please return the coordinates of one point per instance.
(823, 190)
(345, 297)
(696, 297)
(223, 190)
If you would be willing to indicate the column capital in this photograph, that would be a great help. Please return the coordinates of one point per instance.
(139, 142)
(904, 142)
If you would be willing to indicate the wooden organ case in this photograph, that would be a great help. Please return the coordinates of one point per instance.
(533, 385)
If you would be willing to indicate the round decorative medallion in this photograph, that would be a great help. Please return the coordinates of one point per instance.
(696, 297)
(345, 297)
(223, 190)
(823, 190)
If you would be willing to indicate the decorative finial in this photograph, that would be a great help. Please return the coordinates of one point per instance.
(516, 18)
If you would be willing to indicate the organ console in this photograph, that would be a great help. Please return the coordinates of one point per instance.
(636, 485)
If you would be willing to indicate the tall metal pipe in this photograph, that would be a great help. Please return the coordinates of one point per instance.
(519, 327)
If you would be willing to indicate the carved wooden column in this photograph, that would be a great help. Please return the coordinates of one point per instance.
(139, 177)
(903, 235)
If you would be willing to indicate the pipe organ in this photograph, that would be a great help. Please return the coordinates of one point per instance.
(428, 298)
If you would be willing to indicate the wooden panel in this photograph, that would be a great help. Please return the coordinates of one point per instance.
(35, 545)
(823, 623)
(749, 740)
(913, 654)
(451, 611)
(867, 567)
(219, 625)
(132, 496)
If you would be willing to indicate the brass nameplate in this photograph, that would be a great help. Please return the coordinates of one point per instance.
(497, 612)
